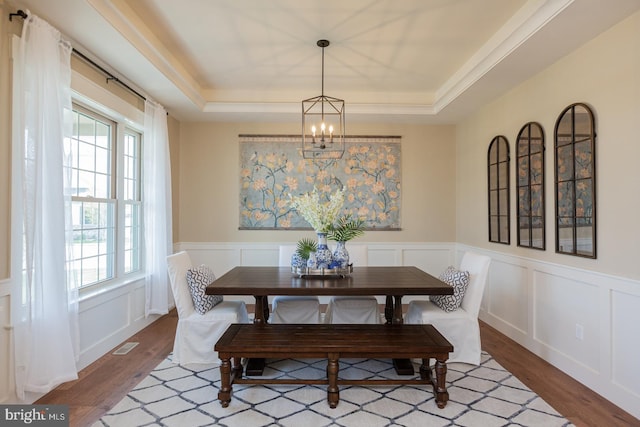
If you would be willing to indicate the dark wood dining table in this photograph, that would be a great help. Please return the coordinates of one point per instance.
(392, 282)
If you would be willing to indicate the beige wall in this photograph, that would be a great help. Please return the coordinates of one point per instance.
(604, 73)
(208, 175)
(173, 126)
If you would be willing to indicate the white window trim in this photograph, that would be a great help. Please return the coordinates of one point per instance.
(92, 95)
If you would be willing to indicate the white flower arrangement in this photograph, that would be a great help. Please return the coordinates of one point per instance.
(320, 216)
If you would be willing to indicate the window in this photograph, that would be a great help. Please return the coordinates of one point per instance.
(132, 202)
(106, 202)
(498, 165)
(575, 182)
(530, 182)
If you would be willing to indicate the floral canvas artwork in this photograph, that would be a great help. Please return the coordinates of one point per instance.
(272, 169)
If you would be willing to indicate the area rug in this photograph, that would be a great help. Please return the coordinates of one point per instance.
(186, 396)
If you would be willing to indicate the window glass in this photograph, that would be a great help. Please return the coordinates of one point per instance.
(132, 202)
(106, 222)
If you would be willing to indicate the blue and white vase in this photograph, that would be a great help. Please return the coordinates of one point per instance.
(297, 261)
(323, 253)
(311, 262)
(341, 255)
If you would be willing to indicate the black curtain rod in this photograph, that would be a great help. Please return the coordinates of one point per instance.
(108, 74)
(20, 13)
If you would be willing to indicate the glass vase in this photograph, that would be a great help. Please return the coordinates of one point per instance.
(323, 253)
(341, 255)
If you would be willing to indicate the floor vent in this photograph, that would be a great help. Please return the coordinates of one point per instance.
(126, 348)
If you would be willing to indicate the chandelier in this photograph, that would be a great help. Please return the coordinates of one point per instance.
(322, 123)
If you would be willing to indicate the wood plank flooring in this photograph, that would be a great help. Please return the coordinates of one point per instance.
(104, 383)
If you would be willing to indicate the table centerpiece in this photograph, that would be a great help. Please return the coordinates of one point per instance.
(321, 216)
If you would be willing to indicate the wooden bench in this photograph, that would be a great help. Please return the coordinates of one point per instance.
(283, 341)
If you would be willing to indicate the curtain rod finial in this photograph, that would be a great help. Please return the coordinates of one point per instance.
(21, 13)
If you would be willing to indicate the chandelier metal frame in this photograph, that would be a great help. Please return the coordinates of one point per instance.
(327, 140)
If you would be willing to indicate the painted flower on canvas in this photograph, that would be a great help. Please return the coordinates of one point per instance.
(271, 168)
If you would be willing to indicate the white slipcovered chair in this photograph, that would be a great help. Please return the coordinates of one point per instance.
(354, 309)
(196, 334)
(293, 308)
(461, 326)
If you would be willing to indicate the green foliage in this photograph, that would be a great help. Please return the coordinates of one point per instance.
(346, 229)
(306, 246)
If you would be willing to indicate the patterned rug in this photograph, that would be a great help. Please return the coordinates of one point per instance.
(479, 396)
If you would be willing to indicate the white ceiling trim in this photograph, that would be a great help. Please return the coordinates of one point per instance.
(121, 17)
(253, 107)
(523, 25)
(295, 108)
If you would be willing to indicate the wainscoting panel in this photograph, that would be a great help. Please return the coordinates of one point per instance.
(433, 261)
(506, 294)
(625, 336)
(109, 318)
(564, 317)
(219, 258)
(138, 300)
(222, 257)
(383, 255)
(259, 256)
(583, 322)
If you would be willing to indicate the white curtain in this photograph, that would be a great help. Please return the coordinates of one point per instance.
(45, 305)
(157, 207)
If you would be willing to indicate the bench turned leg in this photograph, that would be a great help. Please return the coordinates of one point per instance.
(224, 395)
(333, 394)
(440, 386)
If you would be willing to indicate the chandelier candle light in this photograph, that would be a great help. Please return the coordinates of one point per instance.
(326, 138)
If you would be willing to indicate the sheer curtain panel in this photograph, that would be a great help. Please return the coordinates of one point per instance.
(157, 208)
(44, 298)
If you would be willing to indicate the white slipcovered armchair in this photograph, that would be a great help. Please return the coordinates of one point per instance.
(293, 308)
(461, 326)
(196, 334)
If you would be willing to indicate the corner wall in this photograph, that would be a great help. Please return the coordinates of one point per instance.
(579, 314)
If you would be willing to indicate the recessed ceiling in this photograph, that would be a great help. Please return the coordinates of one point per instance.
(430, 61)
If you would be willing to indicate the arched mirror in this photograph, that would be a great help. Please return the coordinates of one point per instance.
(575, 182)
(498, 183)
(530, 183)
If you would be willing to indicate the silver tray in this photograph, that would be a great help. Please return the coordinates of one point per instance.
(322, 272)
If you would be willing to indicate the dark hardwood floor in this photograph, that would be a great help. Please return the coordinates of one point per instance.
(104, 383)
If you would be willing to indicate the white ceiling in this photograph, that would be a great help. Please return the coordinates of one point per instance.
(426, 61)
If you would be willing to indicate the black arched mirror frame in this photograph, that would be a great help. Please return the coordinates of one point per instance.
(498, 183)
(530, 172)
(575, 181)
